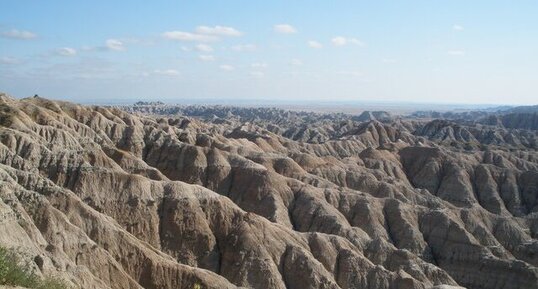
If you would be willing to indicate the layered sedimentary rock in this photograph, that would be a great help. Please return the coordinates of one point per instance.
(157, 196)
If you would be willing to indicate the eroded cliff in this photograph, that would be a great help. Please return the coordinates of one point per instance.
(111, 198)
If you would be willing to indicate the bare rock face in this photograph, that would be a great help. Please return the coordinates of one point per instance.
(373, 115)
(159, 196)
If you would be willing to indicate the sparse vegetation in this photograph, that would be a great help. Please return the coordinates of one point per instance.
(14, 273)
(5, 115)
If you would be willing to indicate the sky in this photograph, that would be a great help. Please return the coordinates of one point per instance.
(468, 52)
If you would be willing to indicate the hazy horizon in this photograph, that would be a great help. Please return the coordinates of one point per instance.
(412, 52)
(322, 106)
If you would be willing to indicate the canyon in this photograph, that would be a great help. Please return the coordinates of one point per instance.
(153, 195)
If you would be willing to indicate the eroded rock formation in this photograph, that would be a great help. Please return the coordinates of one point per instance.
(265, 198)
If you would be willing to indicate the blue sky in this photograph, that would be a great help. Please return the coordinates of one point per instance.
(396, 51)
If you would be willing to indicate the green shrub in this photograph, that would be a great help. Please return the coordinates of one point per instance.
(12, 272)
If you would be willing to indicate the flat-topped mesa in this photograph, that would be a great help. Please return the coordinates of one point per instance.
(228, 197)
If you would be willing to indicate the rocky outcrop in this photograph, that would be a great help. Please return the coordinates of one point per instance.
(105, 198)
(521, 120)
(373, 115)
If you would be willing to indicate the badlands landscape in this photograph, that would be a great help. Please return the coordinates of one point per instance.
(153, 195)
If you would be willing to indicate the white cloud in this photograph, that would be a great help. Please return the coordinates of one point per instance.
(67, 51)
(185, 48)
(296, 62)
(259, 65)
(341, 41)
(456, 52)
(206, 57)
(226, 67)
(257, 74)
(457, 27)
(8, 60)
(356, 41)
(314, 44)
(114, 44)
(203, 34)
(187, 36)
(218, 31)
(244, 47)
(284, 29)
(167, 72)
(18, 34)
(204, 48)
